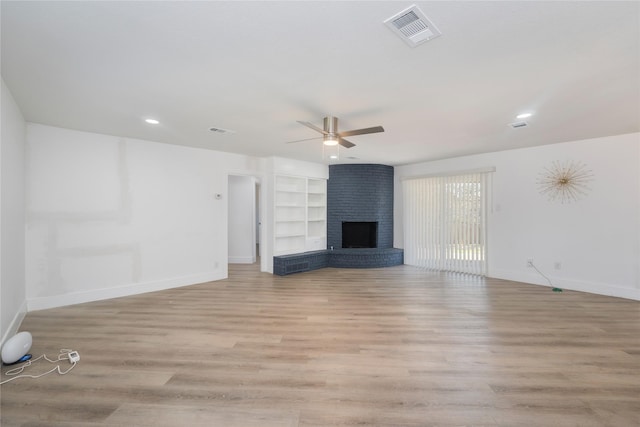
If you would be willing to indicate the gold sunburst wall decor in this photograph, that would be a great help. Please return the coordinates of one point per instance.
(565, 182)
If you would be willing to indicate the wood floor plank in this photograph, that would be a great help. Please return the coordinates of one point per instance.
(185, 415)
(397, 346)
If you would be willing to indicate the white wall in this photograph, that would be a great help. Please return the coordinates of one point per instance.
(242, 219)
(596, 240)
(12, 286)
(110, 216)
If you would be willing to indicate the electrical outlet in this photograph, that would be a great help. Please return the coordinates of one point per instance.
(529, 262)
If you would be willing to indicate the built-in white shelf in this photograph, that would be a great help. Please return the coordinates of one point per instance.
(300, 214)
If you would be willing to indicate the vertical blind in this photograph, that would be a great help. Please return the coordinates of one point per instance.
(445, 222)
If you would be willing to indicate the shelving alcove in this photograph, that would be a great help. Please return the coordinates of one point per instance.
(300, 214)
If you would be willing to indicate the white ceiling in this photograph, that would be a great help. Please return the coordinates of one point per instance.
(257, 67)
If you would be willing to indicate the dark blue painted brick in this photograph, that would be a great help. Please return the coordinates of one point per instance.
(361, 192)
(338, 258)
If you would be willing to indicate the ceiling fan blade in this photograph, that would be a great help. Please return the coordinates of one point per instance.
(312, 126)
(345, 143)
(363, 131)
(302, 140)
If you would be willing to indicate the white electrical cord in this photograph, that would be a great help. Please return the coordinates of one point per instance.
(553, 287)
(540, 272)
(65, 354)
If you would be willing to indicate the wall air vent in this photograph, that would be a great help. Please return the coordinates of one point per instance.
(413, 26)
(517, 125)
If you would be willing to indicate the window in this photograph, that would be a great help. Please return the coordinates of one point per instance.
(445, 222)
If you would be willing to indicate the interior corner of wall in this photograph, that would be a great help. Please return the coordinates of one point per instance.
(14, 325)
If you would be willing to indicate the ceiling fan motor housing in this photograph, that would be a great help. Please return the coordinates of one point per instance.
(331, 124)
(331, 129)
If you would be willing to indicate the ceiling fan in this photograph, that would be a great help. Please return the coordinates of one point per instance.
(331, 136)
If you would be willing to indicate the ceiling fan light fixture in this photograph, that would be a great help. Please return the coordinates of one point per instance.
(330, 140)
(331, 153)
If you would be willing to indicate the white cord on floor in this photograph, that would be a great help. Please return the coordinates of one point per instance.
(16, 373)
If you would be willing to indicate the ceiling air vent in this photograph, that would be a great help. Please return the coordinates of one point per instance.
(413, 26)
(517, 125)
(221, 131)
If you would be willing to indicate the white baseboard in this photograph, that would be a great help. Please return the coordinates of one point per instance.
(573, 285)
(242, 260)
(14, 326)
(42, 303)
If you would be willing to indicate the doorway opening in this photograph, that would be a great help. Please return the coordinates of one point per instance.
(244, 225)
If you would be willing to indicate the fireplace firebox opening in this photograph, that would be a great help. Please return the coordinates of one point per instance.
(359, 234)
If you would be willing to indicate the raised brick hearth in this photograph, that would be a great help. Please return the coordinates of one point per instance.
(338, 258)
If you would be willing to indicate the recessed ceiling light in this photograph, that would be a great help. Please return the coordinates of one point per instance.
(333, 156)
(152, 121)
(524, 115)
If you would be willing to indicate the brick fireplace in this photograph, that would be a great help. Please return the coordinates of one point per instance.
(360, 193)
(360, 199)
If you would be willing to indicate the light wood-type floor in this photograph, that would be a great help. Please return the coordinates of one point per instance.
(382, 347)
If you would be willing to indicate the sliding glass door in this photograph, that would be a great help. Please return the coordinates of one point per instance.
(445, 222)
